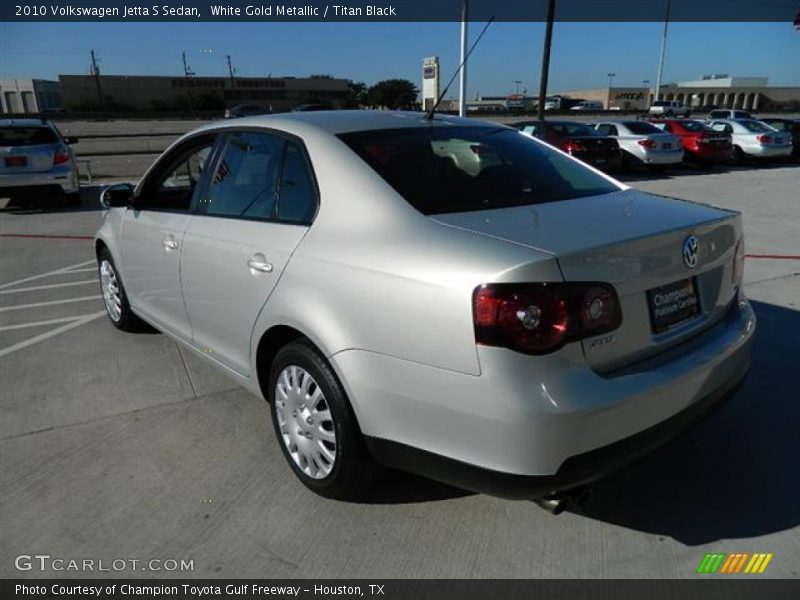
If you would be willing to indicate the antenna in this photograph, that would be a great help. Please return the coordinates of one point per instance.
(430, 114)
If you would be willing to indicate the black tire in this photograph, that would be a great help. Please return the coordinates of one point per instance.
(127, 321)
(737, 155)
(354, 469)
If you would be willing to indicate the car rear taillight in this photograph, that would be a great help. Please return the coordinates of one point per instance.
(738, 263)
(764, 139)
(572, 146)
(61, 156)
(647, 143)
(538, 318)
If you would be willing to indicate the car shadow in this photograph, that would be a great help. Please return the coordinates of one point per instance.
(398, 487)
(36, 202)
(736, 474)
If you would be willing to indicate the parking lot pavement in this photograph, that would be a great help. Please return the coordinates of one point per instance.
(115, 445)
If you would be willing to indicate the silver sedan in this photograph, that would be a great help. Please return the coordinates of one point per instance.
(643, 143)
(443, 296)
(754, 139)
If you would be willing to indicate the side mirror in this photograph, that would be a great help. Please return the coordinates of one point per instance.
(117, 195)
(70, 140)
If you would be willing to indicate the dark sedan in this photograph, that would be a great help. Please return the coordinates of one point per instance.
(577, 139)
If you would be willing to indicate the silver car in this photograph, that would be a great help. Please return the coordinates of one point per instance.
(512, 321)
(754, 139)
(35, 156)
(643, 143)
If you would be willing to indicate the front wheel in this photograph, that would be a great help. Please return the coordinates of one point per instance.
(315, 425)
(114, 296)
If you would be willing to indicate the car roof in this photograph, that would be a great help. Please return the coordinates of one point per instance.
(24, 123)
(343, 121)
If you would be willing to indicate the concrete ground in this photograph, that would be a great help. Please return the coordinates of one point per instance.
(115, 445)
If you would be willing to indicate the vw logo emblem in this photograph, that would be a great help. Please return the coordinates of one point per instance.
(690, 250)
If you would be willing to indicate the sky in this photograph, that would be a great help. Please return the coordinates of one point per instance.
(582, 55)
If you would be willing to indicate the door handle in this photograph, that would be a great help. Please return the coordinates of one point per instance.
(258, 264)
(170, 244)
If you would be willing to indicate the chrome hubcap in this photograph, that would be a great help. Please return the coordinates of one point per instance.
(305, 422)
(111, 293)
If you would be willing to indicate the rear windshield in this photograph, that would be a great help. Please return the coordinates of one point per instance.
(755, 126)
(660, 103)
(641, 128)
(573, 129)
(459, 169)
(26, 136)
(695, 126)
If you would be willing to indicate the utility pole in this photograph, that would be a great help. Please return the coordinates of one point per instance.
(663, 52)
(187, 73)
(548, 38)
(95, 70)
(231, 70)
(462, 77)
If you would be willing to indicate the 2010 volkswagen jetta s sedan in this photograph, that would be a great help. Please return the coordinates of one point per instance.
(444, 296)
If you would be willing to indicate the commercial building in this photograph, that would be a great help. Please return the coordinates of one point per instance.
(137, 92)
(20, 96)
(724, 91)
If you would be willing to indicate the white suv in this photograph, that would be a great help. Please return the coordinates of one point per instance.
(670, 108)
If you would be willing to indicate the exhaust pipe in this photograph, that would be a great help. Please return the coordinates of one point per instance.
(557, 503)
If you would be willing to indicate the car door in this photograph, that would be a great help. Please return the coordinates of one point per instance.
(252, 213)
(152, 233)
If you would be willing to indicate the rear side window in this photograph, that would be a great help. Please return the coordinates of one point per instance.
(458, 169)
(27, 136)
(298, 194)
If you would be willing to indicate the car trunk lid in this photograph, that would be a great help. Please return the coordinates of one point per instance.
(633, 241)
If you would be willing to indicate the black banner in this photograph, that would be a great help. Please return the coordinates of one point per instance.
(402, 589)
(399, 10)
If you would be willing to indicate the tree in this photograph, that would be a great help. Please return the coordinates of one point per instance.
(393, 93)
(357, 94)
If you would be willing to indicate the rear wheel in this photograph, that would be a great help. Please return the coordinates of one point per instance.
(114, 296)
(737, 155)
(315, 425)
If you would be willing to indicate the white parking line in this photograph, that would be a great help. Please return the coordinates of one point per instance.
(56, 272)
(50, 303)
(89, 270)
(41, 323)
(49, 334)
(47, 287)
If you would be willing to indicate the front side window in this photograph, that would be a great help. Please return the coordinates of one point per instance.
(172, 184)
(457, 169)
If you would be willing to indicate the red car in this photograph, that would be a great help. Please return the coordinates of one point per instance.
(700, 142)
(579, 140)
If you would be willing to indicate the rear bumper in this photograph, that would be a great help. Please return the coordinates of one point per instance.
(532, 426)
(65, 178)
(576, 472)
(662, 157)
(768, 151)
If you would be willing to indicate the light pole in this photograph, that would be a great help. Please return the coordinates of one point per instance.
(663, 52)
(610, 79)
(548, 39)
(517, 82)
(462, 77)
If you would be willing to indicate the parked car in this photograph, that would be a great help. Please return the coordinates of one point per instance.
(34, 156)
(588, 105)
(642, 144)
(721, 114)
(700, 143)
(522, 330)
(788, 126)
(751, 138)
(669, 108)
(576, 139)
(312, 107)
(246, 110)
